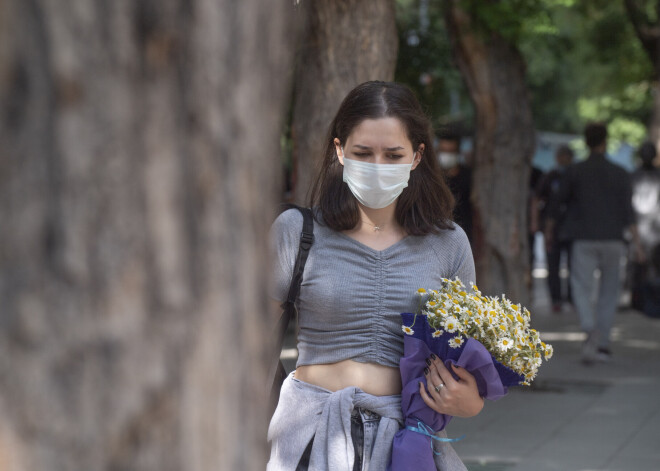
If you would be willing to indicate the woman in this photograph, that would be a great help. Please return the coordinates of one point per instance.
(382, 230)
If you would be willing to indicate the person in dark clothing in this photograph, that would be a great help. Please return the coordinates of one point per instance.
(535, 177)
(650, 299)
(458, 176)
(598, 198)
(646, 203)
(555, 244)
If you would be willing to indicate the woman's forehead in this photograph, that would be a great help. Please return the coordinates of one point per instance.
(388, 132)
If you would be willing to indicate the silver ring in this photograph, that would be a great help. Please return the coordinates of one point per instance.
(439, 387)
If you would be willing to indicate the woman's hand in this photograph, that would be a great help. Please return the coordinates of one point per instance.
(458, 398)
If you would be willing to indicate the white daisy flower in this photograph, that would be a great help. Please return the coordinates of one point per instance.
(505, 343)
(451, 324)
(456, 342)
(548, 351)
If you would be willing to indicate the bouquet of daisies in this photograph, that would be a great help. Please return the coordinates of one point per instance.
(488, 336)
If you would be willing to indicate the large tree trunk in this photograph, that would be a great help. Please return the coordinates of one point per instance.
(136, 163)
(343, 43)
(646, 22)
(654, 124)
(494, 72)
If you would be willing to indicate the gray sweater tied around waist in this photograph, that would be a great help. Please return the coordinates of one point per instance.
(307, 412)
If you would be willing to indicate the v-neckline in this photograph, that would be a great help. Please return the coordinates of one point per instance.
(371, 249)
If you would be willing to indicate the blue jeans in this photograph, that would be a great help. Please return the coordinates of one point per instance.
(587, 256)
(364, 426)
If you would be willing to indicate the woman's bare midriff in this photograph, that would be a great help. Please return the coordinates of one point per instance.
(374, 379)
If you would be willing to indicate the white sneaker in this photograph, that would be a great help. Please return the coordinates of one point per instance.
(589, 350)
(603, 355)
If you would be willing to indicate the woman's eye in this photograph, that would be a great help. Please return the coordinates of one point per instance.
(361, 154)
(396, 156)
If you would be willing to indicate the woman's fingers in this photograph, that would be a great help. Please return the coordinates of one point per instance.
(434, 380)
(442, 371)
(463, 374)
(428, 400)
(430, 397)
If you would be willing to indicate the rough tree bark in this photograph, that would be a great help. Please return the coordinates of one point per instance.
(136, 190)
(494, 72)
(648, 32)
(343, 43)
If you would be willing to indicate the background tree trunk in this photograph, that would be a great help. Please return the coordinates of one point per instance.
(343, 43)
(654, 124)
(136, 145)
(647, 27)
(494, 72)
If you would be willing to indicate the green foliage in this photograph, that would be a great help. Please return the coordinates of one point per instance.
(649, 10)
(592, 68)
(584, 61)
(426, 65)
(515, 20)
(620, 111)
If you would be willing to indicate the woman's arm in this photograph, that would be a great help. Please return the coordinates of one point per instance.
(459, 398)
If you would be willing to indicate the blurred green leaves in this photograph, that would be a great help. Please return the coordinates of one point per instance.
(425, 62)
(584, 61)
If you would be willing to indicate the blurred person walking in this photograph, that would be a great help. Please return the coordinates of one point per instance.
(556, 242)
(533, 223)
(458, 177)
(650, 298)
(598, 198)
(646, 203)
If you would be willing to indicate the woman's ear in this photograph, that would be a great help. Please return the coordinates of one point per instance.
(417, 158)
(338, 150)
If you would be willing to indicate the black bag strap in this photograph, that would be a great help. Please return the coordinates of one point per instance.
(288, 306)
(306, 241)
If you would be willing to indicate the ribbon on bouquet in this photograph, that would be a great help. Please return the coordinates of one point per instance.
(429, 432)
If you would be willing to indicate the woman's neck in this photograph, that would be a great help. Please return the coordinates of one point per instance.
(377, 228)
(378, 220)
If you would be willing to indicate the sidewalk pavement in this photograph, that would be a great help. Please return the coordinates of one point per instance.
(604, 417)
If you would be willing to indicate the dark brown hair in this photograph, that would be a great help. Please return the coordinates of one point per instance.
(647, 153)
(426, 205)
(450, 133)
(595, 134)
(565, 150)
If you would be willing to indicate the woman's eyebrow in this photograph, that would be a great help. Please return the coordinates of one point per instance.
(389, 149)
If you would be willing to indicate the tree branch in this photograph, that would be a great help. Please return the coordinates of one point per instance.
(647, 31)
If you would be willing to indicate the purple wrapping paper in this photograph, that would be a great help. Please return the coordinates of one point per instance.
(413, 450)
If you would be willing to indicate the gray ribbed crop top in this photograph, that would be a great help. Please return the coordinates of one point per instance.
(351, 295)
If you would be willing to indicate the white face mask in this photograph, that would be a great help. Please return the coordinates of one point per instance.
(448, 159)
(376, 185)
